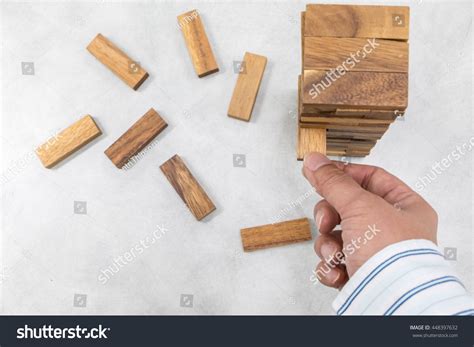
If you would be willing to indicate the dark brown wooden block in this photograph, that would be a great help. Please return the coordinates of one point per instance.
(136, 138)
(187, 187)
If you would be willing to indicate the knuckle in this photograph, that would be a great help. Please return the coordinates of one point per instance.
(332, 178)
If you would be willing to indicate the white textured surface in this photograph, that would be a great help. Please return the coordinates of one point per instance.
(49, 253)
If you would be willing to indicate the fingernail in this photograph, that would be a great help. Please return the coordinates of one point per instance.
(314, 161)
(328, 251)
(333, 276)
(319, 219)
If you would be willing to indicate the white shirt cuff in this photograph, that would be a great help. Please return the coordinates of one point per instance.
(407, 278)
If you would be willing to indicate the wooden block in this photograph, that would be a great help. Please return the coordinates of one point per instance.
(355, 54)
(381, 22)
(197, 43)
(302, 42)
(137, 137)
(345, 121)
(187, 187)
(379, 90)
(246, 88)
(68, 141)
(349, 128)
(311, 140)
(375, 114)
(358, 136)
(343, 153)
(117, 61)
(275, 234)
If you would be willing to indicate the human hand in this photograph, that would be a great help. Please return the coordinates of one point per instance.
(374, 209)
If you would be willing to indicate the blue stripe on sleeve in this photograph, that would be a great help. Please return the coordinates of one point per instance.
(379, 268)
(412, 292)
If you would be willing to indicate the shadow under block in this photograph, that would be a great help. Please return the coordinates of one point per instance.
(379, 90)
(355, 54)
(246, 88)
(117, 61)
(381, 22)
(68, 141)
(187, 187)
(275, 234)
(311, 140)
(137, 137)
(197, 43)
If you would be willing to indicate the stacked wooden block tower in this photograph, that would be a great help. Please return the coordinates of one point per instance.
(354, 78)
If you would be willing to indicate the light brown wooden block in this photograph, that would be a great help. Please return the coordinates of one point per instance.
(246, 88)
(117, 61)
(380, 114)
(187, 187)
(140, 134)
(379, 90)
(353, 129)
(68, 141)
(345, 121)
(302, 42)
(382, 22)
(355, 54)
(197, 43)
(311, 140)
(275, 234)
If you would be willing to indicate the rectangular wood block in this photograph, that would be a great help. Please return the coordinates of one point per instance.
(275, 234)
(197, 43)
(354, 129)
(310, 140)
(246, 88)
(137, 137)
(345, 121)
(381, 22)
(355, 54)
(117, 61)
(187, 187)
(381, 90)
(68, 141)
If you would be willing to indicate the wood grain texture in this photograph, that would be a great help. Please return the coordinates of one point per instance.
(355, 54)
(68, 141)
(380, 114)
(308, 111)
(246, 88)
(136, 138)
(310, 140)
(351, 129)
(187, 187)
(356, 89)
(117, 61)
(302, 42)
(382, 22)
(275, 234)
(345, 121)
(197, 43)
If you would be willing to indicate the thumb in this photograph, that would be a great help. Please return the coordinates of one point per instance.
(333, 184)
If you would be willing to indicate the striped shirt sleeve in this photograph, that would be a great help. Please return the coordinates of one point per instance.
(407, 278)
